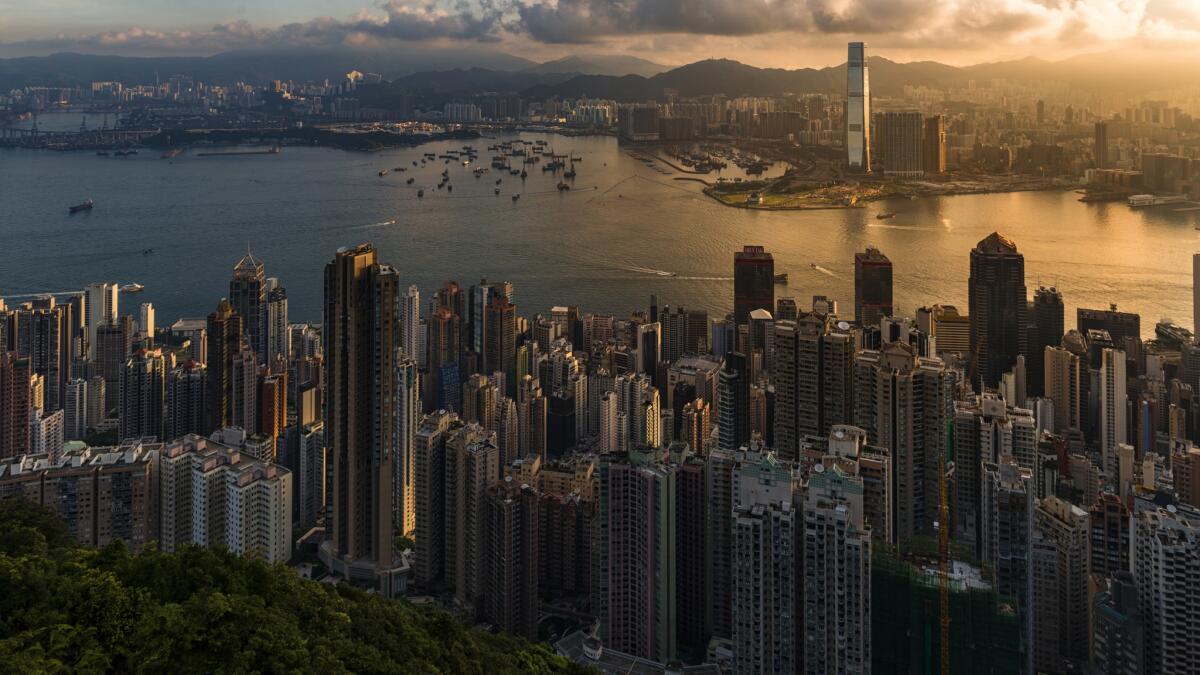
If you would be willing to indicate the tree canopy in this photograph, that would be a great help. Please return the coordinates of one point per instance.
(67, 608)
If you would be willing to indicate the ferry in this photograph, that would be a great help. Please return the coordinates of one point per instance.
(85, 206)
(885, 216)
(1143, 201)
(132, 288)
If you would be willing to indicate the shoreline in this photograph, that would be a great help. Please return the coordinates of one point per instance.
(861, 201)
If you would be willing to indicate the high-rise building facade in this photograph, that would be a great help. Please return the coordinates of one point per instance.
(360, 336)
(510, 560)
(858, 109)
(224, 328)
(996, 290)
(898, 141)
(933, 145)
(143, 396)
(753, 282)
(248, 296)
(872, 287)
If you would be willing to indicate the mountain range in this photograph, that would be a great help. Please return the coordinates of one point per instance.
(625, 78)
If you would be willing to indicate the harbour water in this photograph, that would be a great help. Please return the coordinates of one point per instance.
(624, 231)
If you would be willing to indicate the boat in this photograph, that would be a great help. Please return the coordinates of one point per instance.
(524, 175)
(414, 162)
(400, 169)
(563, 187)
(132, 288)
(498, 180)
(420, 193)
(85, 206)
(516, 197)
(409, 181)
(449, 188)
(497, 190)
(781, 278)
(147, 251)
(383, 172)
(885, 216)
(1143, 201)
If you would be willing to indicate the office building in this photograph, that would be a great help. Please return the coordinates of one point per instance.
(933, 145)
(753, 282)
(733, 402)
(1100, 146)
(359, 332)
(499, 341)
(898, 142)
(1045, 329)
(1119, 325)
(410, 323)
(950, 330)
(145, 323)
(248, 297)
(1113, 406)
(996, 290)
(858, 109)
(872, 287)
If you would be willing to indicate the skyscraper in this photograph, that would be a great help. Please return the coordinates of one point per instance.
(278, 339)
(1045, 329)
(101, 308)
(114, 341)
(1060, 615)
(858, 109)
(1196, 294)
(499, 341)
(14, 405)
(360, 333)
(996, 290)
(813, 372)
(1113, 405)
(410, 323)
(872, 287)
(143, 395)
(1101, 145)
(510, 566)
(753, 282)
(764, 584)
(408, 419)
(1166, 567)
(248, 296)
(933, 145)
(733, 402)
(903, 402)
(187, 401)
(224, 329)
(899, 143)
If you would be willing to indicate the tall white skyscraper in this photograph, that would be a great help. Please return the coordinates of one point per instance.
(858, 109)
(1113, 384)
(410, 323)
(101, 308)
(146, 320)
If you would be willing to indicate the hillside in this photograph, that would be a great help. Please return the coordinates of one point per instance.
(70, 609)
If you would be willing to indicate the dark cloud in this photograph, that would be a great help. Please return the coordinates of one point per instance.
(587, 20)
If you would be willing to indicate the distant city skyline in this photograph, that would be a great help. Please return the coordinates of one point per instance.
(762, 32)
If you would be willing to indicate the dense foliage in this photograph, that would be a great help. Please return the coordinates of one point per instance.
(66, 608)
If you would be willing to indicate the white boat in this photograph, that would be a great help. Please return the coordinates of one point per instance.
(132, 288)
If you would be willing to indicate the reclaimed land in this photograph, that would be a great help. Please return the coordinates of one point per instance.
(792, 192)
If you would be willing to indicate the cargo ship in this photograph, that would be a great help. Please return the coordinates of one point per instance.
(86, 206)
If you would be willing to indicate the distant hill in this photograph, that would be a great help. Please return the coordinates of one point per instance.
(315, 64)
(1100, 72)
(601, 64)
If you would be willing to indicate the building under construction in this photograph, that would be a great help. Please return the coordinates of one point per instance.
(985, 633)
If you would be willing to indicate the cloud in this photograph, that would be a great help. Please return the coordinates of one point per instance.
(980, 26)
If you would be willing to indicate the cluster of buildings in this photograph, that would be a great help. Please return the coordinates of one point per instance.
(755, 492)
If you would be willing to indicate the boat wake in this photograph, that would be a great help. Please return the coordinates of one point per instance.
(372, 226)
(823, 270)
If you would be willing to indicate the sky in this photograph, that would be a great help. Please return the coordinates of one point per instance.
(775, 33)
